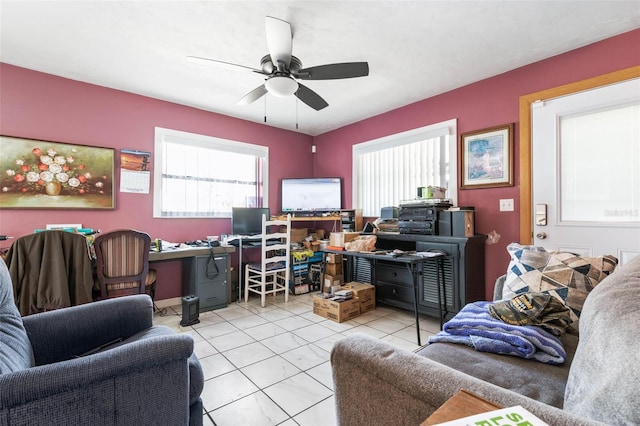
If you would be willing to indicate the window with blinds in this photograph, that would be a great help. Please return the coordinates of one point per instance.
(203, 176)
(389, 170)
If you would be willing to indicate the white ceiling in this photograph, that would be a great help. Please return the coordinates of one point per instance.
(415, 49)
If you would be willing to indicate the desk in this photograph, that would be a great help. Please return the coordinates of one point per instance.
(181, 253)
(213, 293)
(411, 261)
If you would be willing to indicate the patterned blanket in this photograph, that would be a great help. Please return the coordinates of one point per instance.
(474, 326)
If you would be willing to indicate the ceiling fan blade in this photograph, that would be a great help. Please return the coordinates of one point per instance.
(334, 71)
(253, 95)
(220, 64)
(279, 42)
(310, 98)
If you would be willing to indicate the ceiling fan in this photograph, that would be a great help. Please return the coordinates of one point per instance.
(282, 69)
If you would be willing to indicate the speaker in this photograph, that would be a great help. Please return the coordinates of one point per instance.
(463, 223)
(190, 310)
(389, 213)
(444, 223)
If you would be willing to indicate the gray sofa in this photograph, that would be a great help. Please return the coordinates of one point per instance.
(379, 384)
(146, 375)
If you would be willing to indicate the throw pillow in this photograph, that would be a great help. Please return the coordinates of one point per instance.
(567, 276)
(15, 349)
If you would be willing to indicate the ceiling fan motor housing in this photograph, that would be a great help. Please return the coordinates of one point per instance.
(267, 66)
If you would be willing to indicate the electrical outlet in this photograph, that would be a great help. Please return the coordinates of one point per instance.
(506, 205)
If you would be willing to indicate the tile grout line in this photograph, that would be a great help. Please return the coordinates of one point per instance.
(275, 313)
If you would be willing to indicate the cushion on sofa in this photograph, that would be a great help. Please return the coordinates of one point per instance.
(567, 276)
(543, 382)
(604, 376)
(15, 349)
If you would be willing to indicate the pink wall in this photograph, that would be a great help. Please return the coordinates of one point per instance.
(42, 106)
(483, 104)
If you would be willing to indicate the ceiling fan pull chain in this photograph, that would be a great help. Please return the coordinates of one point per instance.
(296, 113)
(265, 109)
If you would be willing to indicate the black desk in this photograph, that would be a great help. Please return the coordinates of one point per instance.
(411, 261)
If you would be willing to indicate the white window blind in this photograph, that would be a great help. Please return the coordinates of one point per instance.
(203, 176)
(389, 170)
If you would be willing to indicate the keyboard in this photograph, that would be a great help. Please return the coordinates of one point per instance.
(251, 241)
(258, 243)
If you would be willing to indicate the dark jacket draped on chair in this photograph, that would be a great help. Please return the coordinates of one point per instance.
(50, 270)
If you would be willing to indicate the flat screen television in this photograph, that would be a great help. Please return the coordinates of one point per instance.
(248, 220)
(311, 194)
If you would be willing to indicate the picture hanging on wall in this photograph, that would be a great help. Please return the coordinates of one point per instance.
(486, 158)
(39, 174)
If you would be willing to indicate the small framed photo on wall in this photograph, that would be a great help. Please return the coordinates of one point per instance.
(486, 157)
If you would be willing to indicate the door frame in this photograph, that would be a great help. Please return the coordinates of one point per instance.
(525, 145)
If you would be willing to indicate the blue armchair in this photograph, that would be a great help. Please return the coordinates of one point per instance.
(101, 363)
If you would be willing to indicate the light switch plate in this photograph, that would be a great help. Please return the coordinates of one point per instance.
(506, 205)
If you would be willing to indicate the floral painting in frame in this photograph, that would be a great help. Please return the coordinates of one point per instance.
(54, 175)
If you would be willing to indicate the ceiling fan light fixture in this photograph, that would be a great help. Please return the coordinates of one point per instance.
(281, 86)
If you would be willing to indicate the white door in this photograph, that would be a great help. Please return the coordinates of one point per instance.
(586, 172)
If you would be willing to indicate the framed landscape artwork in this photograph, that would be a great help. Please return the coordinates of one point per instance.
(53, 175)
(486, 158)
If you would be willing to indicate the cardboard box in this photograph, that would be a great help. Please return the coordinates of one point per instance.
(319, 234)
(338, 239)
(330, 281)
(333, 268)
(336, 311)
(301, 289)
(299, 234)
(333, 258)
(365, 293)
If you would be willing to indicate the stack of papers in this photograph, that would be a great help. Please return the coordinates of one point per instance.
(428, 253)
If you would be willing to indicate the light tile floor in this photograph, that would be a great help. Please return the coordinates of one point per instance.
(270, 366)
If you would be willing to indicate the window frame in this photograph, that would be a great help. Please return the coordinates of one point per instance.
(163, 135)
(446, 128)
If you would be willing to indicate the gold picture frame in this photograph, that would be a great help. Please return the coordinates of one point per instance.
(38, 174)
(486, 157)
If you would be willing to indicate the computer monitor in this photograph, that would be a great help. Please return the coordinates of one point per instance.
(248, 220)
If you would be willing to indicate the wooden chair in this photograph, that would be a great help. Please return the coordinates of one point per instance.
(122, 264)
(271, 275)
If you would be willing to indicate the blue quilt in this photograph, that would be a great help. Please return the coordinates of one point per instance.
(474, 326)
